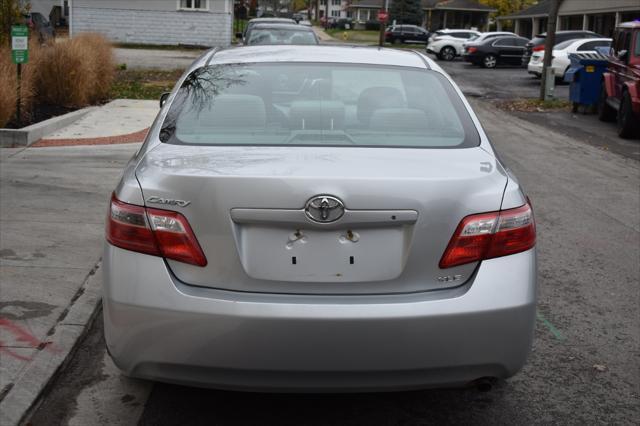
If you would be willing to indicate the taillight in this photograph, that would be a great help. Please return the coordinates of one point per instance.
(539, 48)
(472, 49)
(153, 231)
(490, 235)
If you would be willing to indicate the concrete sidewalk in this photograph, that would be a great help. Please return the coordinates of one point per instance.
(52, 210)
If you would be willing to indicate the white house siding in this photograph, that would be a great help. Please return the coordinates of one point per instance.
(154, 22)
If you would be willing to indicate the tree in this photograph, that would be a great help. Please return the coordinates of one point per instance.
(549, 42)
(507, 7)
(406, 12)
(10, 14)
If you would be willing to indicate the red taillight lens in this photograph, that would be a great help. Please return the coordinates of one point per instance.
(152, 231)
(489, 235)
(538, 48)
(472, 49)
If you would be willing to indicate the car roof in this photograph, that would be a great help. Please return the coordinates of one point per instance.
(318, 53)
(279, 26)
(544, 34)
(632, 24)
(258, 20)
(447, 30)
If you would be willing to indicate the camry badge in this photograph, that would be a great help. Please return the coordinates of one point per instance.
(168, 201)
(324, 209)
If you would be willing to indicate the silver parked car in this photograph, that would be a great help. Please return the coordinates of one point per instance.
(318, 218)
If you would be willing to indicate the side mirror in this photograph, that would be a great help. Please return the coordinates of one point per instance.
(623, 55)
(163, 98)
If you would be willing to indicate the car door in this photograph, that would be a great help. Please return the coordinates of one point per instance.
(506, 50)
(409, 34)
(618, 66)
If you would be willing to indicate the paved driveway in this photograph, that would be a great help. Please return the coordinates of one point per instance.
(162, 59)
(585, 360)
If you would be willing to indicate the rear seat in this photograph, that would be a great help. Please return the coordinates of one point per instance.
(226, 111)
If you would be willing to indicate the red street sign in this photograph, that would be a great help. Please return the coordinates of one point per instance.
(383, 16)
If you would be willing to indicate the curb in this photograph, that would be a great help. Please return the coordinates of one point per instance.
(51, 358)
(11, 138)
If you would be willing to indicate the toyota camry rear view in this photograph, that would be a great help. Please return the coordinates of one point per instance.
(318, 218)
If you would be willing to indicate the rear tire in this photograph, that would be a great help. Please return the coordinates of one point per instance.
(448, 53)
(605, 112)
(490, 61)
(627, 123)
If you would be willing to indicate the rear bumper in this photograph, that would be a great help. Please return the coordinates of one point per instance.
(158, 328)
(535, 69)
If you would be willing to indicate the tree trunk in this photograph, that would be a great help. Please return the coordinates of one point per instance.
(550, 41)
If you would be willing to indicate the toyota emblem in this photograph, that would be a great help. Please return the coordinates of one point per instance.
(324, 209)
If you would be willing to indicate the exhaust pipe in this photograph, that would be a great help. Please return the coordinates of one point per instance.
(484, 384)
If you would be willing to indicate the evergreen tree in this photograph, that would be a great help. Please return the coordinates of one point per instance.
(406, 12)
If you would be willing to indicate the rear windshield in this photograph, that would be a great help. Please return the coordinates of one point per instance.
(318, 105)
(280, 36)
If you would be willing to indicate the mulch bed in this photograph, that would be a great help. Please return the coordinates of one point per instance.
(39, 113)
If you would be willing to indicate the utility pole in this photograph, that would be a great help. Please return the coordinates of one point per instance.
(383, 23)
(550, 41)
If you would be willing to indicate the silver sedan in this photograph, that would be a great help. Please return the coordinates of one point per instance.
(318, 218)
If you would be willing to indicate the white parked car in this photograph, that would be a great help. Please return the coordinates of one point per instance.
(447, 44)
(561, 51)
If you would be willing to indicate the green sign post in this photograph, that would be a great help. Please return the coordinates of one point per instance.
(19, 55)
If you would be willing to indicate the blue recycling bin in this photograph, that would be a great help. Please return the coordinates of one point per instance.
(585, 76)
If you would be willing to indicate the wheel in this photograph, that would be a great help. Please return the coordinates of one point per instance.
(448, 53)
(490, 61)
(574, 107)
(627, 123)
(605, 112)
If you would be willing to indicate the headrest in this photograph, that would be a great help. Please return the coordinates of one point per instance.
(374, 98)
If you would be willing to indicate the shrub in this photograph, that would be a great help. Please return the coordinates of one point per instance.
(9, 83)
(372, 25)
(7, 87)
(76, 72)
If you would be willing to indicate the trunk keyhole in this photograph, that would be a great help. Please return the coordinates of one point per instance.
(351, 260)
(293, 260)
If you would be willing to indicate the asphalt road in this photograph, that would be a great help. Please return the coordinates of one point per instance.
(585, 363)
(510, 82)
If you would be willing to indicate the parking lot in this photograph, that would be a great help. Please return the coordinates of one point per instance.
(585, 359)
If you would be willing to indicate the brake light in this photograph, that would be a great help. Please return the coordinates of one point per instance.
(153, 231)
(489, 235)
(539, 48)
(472, 49)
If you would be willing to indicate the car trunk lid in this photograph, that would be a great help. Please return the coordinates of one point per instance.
(246, 206)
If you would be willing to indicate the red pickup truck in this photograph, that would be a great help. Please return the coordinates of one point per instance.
(620, 93)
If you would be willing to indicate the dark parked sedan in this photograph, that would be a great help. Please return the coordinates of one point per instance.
(406, 34)
(537, 43)
(506, 50)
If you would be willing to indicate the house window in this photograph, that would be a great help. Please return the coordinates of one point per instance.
(323, 2)
(335, 2)
(193, 4)
(335, 13)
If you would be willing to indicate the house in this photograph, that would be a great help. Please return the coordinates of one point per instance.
(336, 9)
(161, 22)
(56, 11)
(598, 16)
(438, 14)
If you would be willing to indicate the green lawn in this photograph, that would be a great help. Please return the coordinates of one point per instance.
(143, 84)
(361, 36)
